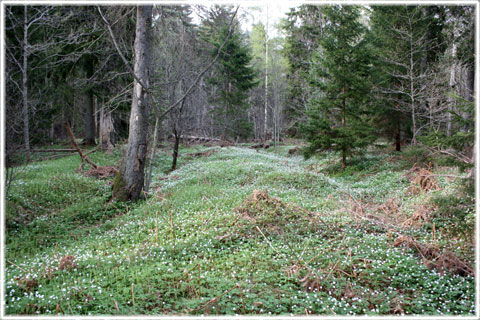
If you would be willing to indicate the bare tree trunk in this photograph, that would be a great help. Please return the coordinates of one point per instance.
(26, 124)
(265, 128)
(411, 73)
(470, 83)
(473, 171)
(96, 118)
(89, 119)
(398, 145)
(344, 151)
(176, 135)
(152, 158)
(106, 129)
(451, 100)
(412, 101)
(134, 161)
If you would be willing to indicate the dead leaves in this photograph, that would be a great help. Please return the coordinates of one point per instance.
(420, 216)
(433, 258)
(272, 215)
(102, 172)
(27, 284)
(421, 179)
(67, 263)
(310, 283)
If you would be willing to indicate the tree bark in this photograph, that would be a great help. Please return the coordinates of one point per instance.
(152, 157)
(344, 124)
(398, 146)
(89, 119)
(176, 135)
(265, 128)
(26, 124)
(105, 129)
(451, 100)
(134, 161)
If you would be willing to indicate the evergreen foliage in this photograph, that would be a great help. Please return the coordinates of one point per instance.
(234, 76)
(303, 26)
(338, 117)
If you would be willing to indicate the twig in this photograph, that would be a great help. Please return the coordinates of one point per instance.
(333, 269)
(133, 296)
(267, 240)
(91, 151)
(217, 297)
(17, 266)
(116, 305)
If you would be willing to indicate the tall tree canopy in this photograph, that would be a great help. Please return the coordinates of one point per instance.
(338, 117)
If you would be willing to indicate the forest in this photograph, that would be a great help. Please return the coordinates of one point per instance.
(194, 160)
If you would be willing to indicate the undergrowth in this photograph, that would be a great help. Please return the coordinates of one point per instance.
(236, 231)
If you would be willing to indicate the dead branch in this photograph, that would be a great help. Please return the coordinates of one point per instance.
(54, 150)
(199, 76)
(84, 157)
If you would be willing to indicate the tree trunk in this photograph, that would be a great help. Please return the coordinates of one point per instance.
(105, 130)
(26, 124)
(451, 100)
(411, 74)
(176, 135)
(398, 146)
(470, 82)
(89, 119)
(265, 128)
(344, 151)
(344, 124)
(134, 161)
(152, 157)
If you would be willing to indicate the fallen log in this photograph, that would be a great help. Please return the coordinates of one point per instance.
(54, 150)
(196, 138)
(260, 146)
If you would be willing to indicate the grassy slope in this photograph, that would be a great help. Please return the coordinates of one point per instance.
(164, 255)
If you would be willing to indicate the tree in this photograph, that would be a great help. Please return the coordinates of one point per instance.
(303, 27)
(34, 18)
(405, 36)
(130, 181)
(267, 106)
(233, 76)
(337, 115)
(259, 43)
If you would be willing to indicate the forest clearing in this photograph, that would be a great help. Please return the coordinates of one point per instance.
(270, 158)
(239, 231)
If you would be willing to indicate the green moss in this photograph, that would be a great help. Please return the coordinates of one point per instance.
(119, 190)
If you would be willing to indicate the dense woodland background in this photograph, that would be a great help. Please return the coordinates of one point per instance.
(318, 164)
(402, 72)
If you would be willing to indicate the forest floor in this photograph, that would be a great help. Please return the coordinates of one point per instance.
(241, 231)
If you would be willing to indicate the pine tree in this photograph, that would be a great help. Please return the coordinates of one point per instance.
(337, 115)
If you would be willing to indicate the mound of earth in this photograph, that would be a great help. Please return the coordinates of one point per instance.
(273, 216)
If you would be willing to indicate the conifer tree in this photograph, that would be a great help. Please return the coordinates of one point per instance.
(233, 77)
(337, 114)
(303, 26)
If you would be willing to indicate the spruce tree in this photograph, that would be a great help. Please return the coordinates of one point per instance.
(234, 75)
(303, 27)
(338, 118)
